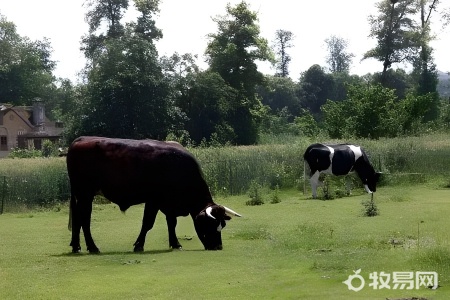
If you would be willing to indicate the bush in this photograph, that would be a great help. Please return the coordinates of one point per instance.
(255, 195)
(370, 208)
(275, 198)
(24, 153)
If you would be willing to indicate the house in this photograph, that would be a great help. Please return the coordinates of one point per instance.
(26, 127)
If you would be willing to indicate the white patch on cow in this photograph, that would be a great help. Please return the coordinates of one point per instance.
(329, 170)
(314, 180)
(219, 228)
(356, 150)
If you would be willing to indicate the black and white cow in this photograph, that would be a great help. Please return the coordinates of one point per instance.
(340, 160)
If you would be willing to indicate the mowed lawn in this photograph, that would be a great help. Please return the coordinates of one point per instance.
(296, 249)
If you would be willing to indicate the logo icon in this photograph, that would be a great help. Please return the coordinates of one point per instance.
(349, 281)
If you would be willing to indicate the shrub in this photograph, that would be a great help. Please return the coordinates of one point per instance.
(24, 153)
(370, 208)
(275, 198)
(255, 195)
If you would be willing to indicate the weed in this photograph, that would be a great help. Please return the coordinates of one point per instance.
(255, 195)
(275, 198)
(370, 208)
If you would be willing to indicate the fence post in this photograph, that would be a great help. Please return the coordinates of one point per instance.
(3, 194)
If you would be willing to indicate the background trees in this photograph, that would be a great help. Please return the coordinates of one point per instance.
(124, 74)
(395, 32)
(127, 90)
(282, 42)
(232, 52)
(338, 59)
(25, 66)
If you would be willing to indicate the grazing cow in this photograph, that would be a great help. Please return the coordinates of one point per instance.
(340, 160)
(164, 176)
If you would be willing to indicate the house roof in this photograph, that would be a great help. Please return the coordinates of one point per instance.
(20, 111)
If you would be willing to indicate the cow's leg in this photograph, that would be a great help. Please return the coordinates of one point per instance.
(75, 226)
(86, 212)
(147, 223)
(314, 180)
(171, 225)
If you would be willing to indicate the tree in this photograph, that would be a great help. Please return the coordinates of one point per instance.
(424, 67)
(395, 32)
(338, 59)
(368, 112)
(207, 105)
(315, 87)
(126, 91)
(280, 93)
(25, 66)
(109, 12)
(374, 111)
(232, 52)
(282, 42)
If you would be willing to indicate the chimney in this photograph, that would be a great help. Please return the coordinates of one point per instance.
(38, 112)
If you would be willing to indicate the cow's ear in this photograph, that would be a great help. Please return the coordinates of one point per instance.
(227, 217)
(378, 175)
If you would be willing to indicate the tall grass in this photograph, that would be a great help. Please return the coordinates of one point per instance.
(30, 182)
(278, 163)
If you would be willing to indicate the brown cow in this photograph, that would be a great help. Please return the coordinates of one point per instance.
(164, 176)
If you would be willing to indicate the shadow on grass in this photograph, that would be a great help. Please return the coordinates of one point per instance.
(150, 252)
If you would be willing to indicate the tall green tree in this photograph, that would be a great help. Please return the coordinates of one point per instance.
(207, 105)
(424, 68)
(282, 42)
(280, 93)
(338, 59)
(396, 33)
(232, 52)
(126, 90)
(25, 66)
(315, 87)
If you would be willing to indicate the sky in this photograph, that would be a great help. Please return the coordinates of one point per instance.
(186, 24)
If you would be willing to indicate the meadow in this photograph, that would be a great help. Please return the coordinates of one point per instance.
(296, 249)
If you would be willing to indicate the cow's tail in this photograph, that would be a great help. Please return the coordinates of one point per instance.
(71, 209)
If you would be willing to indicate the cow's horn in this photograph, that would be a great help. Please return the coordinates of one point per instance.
(231, 212)
(208, 212)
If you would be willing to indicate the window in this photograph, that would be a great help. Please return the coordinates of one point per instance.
(3, 143)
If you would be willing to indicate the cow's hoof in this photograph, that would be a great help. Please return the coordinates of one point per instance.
(177, 248)
(94, 250)
(138, 249)
(76, 249)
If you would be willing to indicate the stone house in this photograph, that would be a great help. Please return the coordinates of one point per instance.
(26, 127)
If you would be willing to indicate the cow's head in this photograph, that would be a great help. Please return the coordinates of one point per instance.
(371, 182)
(209, 224)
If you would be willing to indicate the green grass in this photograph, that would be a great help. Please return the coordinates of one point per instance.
(296, 249)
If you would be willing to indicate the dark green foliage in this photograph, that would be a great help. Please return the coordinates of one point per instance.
(24, 153)
(207, 106)
(315, 88)
(275, 196)
(374, 112)
(370, 208)
(255, 195)
(232, 53)
(126, 93)
(25, 66)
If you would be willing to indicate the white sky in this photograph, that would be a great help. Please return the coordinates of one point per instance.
(185, 25)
